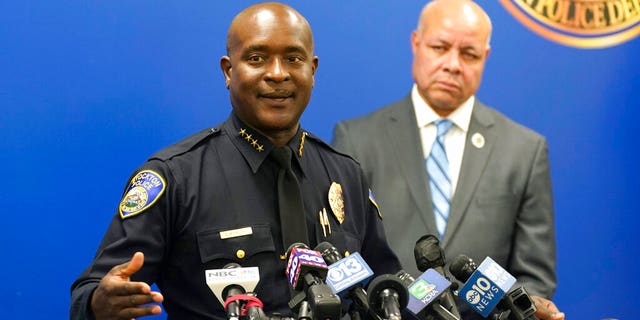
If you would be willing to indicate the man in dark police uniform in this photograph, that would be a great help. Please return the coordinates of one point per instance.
(212, 198)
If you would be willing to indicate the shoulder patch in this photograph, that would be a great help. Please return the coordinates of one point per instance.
(375, 204)
(144, 190)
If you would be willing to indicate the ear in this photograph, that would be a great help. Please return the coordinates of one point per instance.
(414, 41)
(314, 68)
(225, 66)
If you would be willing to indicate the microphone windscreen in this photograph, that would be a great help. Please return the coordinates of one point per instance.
(329, 253)
(462, 267)
(428, 253)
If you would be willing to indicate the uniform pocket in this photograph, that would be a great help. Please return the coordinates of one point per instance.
(223, 243)
(344, 242)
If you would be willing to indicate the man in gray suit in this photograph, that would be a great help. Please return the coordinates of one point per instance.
(497, 195)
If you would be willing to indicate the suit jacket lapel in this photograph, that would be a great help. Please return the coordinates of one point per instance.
(403, 137)
(474, 161)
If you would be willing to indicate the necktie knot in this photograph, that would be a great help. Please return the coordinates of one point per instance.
(282, 155)
(443, 126)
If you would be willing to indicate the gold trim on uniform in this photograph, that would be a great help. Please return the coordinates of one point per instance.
(301, 147)
(336, 201)
(249, 138)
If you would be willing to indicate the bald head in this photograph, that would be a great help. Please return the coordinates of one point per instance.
(456, 12)
(450, 48)
(269, 69)
(267, 13)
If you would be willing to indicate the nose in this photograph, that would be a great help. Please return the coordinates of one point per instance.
(277, 71)
(452, 62)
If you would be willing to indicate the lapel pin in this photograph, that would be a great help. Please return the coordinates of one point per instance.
(477, 140)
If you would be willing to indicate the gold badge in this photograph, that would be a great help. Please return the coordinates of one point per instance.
(336, 201)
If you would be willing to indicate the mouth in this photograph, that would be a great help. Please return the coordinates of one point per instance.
(278, 95)
(448, 85)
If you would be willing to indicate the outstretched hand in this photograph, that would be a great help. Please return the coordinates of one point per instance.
(546, 309)
(116, 297)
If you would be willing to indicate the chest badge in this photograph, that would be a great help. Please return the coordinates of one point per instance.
(336, 201)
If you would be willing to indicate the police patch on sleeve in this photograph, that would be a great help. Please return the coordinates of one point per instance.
(375, 204)
(144, 190)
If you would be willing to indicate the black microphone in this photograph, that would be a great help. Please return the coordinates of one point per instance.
(487, 283)
(306, 271)
(346, 276)
(387, 296)
(231, 281)
(429, 255)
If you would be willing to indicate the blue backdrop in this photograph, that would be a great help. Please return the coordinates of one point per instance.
(90, 89)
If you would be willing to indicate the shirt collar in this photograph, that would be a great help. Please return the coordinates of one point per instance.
(425, 115)
(255, 147)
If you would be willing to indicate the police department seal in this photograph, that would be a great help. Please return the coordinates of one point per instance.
(579, 23)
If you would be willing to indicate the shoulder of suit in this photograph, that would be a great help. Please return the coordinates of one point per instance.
(323, 145)
(383, 112)
(485, 112)
(187, 144)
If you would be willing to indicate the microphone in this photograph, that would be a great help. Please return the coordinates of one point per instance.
(230, 281)
(387, 296)
(429, 255)
(347, 276)
(425, 294)
(519, 304)
(304, 262)
(306, 271)
(487, 287)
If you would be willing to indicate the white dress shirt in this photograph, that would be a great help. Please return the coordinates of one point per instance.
(454, 140)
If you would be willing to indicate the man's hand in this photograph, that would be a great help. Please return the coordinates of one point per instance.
(547, 310)
(116, 297)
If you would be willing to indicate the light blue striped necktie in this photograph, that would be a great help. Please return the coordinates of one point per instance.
(439, 180)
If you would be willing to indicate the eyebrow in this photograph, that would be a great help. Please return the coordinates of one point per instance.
(288, 49)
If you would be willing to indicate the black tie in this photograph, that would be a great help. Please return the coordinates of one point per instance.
(292, 217)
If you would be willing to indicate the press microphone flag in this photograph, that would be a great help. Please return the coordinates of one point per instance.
(219, 279)
(301, 261)
(347, 272)
(486, 286)
(426, 289)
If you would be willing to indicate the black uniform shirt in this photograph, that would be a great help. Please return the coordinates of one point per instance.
(218, 181)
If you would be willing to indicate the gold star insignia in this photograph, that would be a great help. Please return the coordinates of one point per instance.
(243, 132)
(254, 143)
(260, 148)
(248, 137)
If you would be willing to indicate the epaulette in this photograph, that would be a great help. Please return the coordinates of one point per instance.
(324, 144)
(186, 144)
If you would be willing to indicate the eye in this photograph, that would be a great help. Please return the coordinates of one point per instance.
(438, 48)
(255, 58)
(470, 56)
(294, 59)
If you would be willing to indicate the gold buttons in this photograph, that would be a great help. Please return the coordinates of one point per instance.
(346, 254)
(240, 254)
